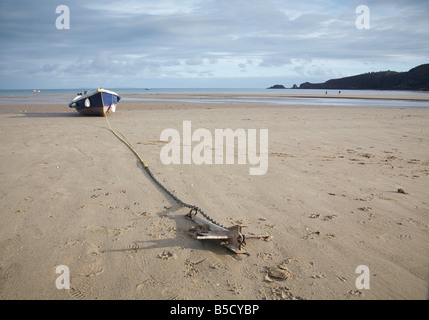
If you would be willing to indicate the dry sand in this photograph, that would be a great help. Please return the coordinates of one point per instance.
(72, 194)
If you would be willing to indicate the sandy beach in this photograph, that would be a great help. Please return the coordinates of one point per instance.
(72, 194)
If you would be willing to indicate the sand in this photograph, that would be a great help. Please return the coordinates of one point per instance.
(72, 194)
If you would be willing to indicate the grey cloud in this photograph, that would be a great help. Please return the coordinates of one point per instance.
(168, 39)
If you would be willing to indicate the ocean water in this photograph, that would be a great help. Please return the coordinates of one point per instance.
(246, 95)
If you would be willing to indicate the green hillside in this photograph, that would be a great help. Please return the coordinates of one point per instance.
(415, 79)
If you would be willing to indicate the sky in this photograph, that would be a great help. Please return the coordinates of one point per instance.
(205, 43)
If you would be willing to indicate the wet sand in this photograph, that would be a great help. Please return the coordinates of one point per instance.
(72, 194)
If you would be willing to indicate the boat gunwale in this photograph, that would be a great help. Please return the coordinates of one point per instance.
(89, 94)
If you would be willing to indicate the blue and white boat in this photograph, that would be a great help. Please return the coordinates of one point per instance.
(96, 103)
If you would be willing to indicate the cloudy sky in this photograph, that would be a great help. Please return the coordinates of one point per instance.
(205, 43)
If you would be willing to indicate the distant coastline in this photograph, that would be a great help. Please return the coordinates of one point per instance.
(277, 86)
(416, 79)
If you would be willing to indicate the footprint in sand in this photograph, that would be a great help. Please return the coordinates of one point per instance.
(236, 288)
(311, 234)
(78, 292)
(94, 269)
(329, 217)
(423, 226)
(354, 293)
(167, 255)
(95, 250)
(279, 272)
(132, 250)
(283, 293)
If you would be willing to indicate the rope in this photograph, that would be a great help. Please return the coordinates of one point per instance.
(164, 188)
(128, 145)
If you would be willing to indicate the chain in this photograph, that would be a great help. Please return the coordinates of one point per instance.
(184, 204)
(165, 189)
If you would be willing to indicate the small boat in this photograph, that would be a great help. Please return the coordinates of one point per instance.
(96, 103)
(36, 90)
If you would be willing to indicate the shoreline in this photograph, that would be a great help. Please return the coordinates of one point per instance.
(46, 103)
(417, 97)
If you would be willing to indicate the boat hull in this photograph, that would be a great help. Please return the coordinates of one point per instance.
(97, 103)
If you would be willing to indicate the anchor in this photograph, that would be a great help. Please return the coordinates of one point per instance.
(209, 229)
(234, 237)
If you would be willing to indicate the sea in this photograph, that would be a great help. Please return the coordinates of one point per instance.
(241, 95)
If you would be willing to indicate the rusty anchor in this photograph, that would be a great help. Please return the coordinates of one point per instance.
(234, 237)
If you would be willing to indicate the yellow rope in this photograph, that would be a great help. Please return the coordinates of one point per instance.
(124, 141)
